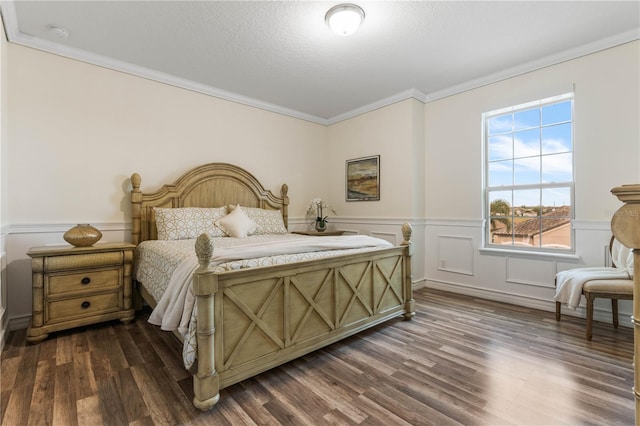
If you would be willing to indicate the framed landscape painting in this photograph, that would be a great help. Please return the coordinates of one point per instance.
(363, 179)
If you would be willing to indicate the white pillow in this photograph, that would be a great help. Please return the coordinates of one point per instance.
(187, 222)
(267, 221)
(237, 224)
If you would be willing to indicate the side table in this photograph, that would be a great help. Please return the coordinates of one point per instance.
(75, 286)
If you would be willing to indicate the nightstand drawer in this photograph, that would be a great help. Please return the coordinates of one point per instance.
(82, 281)
(82, 306)
(80, 261)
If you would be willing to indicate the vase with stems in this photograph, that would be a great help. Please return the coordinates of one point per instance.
(316, 208)
(321, 224)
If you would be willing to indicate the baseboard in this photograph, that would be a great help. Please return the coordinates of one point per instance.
(3, 327)
(416, 284)
(19, 323)
(601, 315)
(498, 296)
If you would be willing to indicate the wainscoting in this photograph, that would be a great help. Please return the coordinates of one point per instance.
(448, 257)
(455, 261)
(21, 238)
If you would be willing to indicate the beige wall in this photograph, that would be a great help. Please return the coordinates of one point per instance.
(607, 154)
(607, 135)
(392, 133)
(83, 130)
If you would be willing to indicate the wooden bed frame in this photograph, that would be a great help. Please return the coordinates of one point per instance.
(254, 319)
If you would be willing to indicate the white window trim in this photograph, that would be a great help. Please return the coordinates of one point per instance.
(487, 246)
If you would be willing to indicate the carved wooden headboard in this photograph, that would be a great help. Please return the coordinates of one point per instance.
(210, 185)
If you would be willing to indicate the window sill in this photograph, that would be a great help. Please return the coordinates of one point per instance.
(570, 257)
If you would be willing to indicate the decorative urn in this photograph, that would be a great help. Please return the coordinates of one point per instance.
(82, 235)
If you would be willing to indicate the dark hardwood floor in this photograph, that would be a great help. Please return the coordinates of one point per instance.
(461, 360)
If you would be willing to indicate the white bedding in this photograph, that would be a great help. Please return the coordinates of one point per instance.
(165, 269)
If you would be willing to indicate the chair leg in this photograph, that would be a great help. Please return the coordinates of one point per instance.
(558, 308)
(589, 316)
(614, 311)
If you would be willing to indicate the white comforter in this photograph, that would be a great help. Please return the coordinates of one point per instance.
(176, 306)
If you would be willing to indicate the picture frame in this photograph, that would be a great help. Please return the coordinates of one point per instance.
(363, 179)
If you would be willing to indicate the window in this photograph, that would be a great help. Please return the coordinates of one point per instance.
(528, 175)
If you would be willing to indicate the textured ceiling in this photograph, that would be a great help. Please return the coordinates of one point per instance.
(281, 56)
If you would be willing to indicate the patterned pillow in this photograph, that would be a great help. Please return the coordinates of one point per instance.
(268, 221)
(237, 224)
(188, 222)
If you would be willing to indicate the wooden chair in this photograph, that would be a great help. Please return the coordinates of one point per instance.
(614, 289)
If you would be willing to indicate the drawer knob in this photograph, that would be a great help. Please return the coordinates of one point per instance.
(86, 280)
(85, 304)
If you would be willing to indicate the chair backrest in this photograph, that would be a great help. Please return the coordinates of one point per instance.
(621, 256)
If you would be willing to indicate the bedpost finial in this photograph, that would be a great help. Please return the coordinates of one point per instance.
(136, 180)
(204, 249)
(284, 190)
(407, 230)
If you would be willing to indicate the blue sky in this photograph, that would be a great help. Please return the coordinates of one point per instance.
(530, 147)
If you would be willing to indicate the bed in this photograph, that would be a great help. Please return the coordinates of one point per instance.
(251, 319)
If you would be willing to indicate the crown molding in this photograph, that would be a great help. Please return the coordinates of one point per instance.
(398, 97)
(7, 8)
(15, 36)
(548, 61)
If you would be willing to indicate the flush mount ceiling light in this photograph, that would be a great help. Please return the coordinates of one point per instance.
(344, 19)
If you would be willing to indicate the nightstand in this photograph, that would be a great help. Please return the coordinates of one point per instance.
(319, 234)
(75, 286)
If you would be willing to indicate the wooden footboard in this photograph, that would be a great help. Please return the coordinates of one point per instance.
(255, 319)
